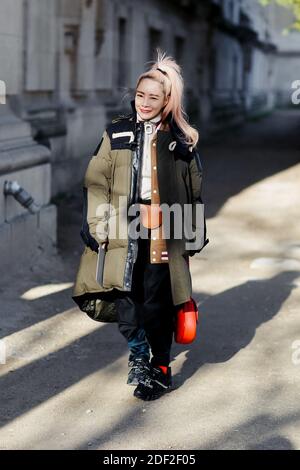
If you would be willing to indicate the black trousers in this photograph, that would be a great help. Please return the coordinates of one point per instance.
(149, 305)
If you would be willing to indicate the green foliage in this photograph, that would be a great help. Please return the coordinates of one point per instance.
(293, 5)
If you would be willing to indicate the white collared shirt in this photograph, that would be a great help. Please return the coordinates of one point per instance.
(145, 187)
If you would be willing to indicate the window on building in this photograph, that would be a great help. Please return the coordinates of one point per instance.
(100, 26)
(231, 10)
(122, 53)
(155, 40)
(179, 49)
(235, 72)
(71, 37)
(213, 64)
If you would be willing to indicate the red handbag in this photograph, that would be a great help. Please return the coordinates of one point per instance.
(186, 322)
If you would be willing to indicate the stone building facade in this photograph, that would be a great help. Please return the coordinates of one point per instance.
(68, 66)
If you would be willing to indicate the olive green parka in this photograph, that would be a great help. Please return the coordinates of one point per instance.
(113, 171)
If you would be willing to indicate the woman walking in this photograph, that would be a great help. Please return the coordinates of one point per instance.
(149, 160)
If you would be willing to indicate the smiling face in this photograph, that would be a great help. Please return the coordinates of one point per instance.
(149, 98)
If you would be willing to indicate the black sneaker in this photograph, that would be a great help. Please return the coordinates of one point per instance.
(154, 385)
(139, 370)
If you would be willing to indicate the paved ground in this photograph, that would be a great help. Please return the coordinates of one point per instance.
(237, 387)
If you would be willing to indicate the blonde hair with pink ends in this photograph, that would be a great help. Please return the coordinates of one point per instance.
(173, 86)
